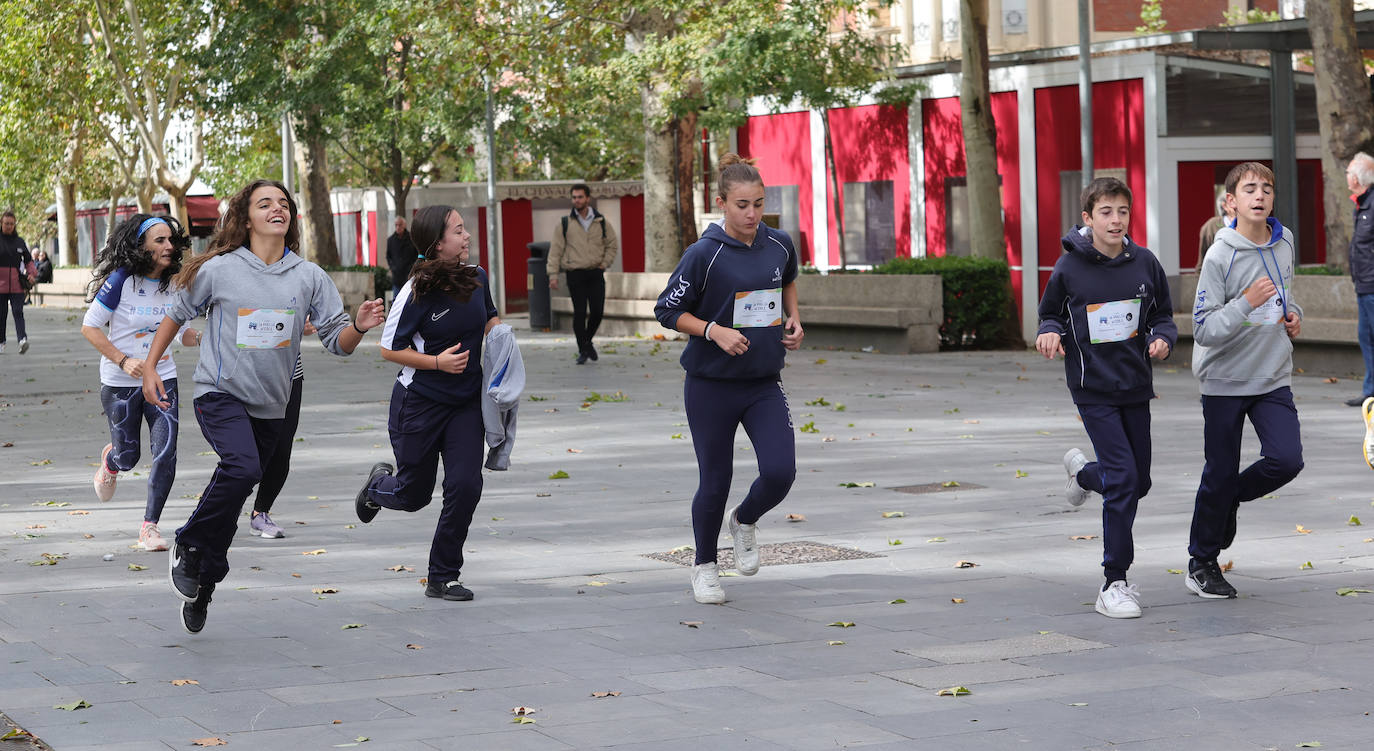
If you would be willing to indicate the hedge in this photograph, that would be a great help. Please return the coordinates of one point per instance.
(977, 297)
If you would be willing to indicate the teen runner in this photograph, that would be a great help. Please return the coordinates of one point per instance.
(130, 293)
(735, 293)
(259, 296)
(434, 332)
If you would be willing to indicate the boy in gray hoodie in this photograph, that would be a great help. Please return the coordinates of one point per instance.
(1243, 321)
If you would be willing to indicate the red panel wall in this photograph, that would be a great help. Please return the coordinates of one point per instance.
(782, 146)
(517, 229)
(870, 144)
(1197, 204)
(1118, 141)
(632, 233)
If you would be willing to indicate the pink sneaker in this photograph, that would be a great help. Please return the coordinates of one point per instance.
(105, 479)
(150, 538)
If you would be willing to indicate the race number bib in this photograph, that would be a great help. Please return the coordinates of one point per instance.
(265, 328)
(758, 309)
(1268, 313)
(1113, 321)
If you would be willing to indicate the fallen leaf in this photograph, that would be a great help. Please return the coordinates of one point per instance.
(898, 601)
(1354, 521)
(595, 583)
(1368, 539)
(574, 451)
(682, 549)
(957, 600)
(212, 741)
(965, 564)
(136, 567)
(864, 484)
(834, 643)
(842, 624)
(324, 591)
(15, 734)
(78, 512)
(559, 475)
(89, 536)
(1227, 566)
(414, 646)
(1305, 566)
(795, 518)
(296, 575)
(1175, 570)
(950, 484)
(1021, 473)
(401, 567)
(936, 539)
(1313, 744)
(498, 518)
(1303, 530)
(821, 361)
(1079, 704)
(894, 542)
(893, 514)
(1083, 537)
(42, 463)
(542, 495)
(1332, 379)
(521, 711)
(347, 626)
(690, 624)
(185, 682)
(37, 526)
(604, 694)
(953, 691)
(321, 551)
(78, 704)
(522, 720)
(1351, 592)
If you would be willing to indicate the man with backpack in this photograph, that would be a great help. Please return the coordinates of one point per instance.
(584, 247)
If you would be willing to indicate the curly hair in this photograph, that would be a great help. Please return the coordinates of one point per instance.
(450, 277)
(231, 233)
(124, 249)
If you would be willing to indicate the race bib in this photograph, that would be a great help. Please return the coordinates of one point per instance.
(758, 309)
(1267, 314)
(1113, 321)
(265, 328)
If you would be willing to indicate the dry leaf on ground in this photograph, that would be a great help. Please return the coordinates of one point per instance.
(604, 694)
(414, 646)
(1302, 530)
(953, 691)
(690, 624)
(321, 551)
(957, 600)
(965, 564)
(795, 518)
(324, 591)
(185, 682)
(521, 711)
(1083, 537)
(209, 742)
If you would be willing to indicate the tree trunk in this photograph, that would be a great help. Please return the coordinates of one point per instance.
(66, 223)
(834, 172)
(317, 215)
(112, 213)
(685, 157)
(980, 135)
(1345, 116)
(176, 204)
(662, 239)
(144, 195)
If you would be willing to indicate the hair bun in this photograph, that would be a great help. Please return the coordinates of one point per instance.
(733, 158)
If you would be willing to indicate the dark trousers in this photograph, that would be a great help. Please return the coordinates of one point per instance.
(244, 444)
(1224, 486)
(126, 411)
(587, 287)
(1121, 439)
(715, 409)
(279, 466)
(16, 303)
(1365, 333)
(423, 430)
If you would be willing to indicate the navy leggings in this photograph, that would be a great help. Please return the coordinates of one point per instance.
(126, 411)
(1121, 474)
(423, 430)
(279, 466)
(245, 444)
(1224, 486)
(16, 303)
(715, 409)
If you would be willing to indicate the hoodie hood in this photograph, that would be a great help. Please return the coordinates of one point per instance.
(1079, 241)
(1232, 236)
(288, 261)
(716, 231)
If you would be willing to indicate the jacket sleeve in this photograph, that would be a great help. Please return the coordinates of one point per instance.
(1216, 319)
(1161, 318)
(1054, 310)
(610, 244)
(683, 291)
(556, 245)
(327, 311)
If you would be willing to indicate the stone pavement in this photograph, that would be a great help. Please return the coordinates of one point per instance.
(568, 605)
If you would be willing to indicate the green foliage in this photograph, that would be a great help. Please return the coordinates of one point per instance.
(976, 297)
(1238, 16)
(1321, 271)
(1151, 17)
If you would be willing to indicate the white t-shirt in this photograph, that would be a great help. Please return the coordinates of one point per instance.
(133, 307)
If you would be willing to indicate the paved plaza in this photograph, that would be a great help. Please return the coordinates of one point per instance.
(324, 639)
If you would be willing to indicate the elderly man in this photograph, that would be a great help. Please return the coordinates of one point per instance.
(1359, 176)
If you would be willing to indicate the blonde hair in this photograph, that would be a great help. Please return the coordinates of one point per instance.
(735, 169)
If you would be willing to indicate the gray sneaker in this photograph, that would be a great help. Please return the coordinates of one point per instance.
(263, 526)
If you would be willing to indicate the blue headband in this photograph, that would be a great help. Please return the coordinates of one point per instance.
(148, 223)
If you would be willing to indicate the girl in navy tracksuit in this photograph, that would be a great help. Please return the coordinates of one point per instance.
(735, 293)
(435, 331)
(1106, 308)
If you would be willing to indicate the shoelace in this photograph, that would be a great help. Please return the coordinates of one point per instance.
(1127, 591)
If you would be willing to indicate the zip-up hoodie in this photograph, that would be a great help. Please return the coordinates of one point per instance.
(503, 376)
(1107, 311)
(709, 282)
(243, 292)
(1240, 350)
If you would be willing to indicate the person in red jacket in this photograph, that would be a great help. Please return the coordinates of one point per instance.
(17, 274)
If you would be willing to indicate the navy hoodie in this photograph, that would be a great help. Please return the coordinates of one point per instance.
(1107, 311)
(714, 271)
(433, 323)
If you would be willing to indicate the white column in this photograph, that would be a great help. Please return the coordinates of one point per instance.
(820, 177)
(1030, 224)
(916, 157)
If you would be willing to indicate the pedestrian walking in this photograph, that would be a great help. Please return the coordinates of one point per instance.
(583, 248)
(400, 256)
(17, 274)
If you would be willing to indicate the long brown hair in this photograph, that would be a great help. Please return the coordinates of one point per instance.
(451, 277)
(231, 232)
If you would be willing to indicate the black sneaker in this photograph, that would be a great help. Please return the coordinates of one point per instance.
(363, 505)
(1205, 580)
(591, 352)
(582, 358)
(1228, 535)
(451, 590)
(183, 569)
(193, 613)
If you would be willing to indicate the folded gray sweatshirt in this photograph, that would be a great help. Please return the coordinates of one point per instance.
(253, 329)
(1241, 350)
(503, 380)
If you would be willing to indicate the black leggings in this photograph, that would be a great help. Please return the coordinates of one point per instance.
(279, 466)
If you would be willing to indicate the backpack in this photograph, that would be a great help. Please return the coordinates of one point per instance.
(594, 218)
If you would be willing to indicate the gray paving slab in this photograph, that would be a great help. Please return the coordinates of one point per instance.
(568, 604)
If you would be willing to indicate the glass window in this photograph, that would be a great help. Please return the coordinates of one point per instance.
(870, 225)
(958, 239)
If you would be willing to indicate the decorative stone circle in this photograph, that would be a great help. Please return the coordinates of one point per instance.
(772, 554)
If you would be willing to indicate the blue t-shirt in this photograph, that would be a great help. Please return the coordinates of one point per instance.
(432, 324)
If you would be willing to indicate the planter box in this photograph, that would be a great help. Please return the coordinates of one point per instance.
(355, 287)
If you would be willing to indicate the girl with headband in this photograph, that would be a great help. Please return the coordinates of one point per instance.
(129, 295)
(259, 292)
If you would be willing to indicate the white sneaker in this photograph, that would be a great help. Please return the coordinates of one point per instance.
(1119, 600)
(706, 584)
(23, 345)
(104, 480)
(746, 545)
(1074, 461)
(149, 538)
(1368, 410)
(2, 348)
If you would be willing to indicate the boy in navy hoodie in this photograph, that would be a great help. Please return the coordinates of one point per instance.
(1243, 320)
(1106, 309)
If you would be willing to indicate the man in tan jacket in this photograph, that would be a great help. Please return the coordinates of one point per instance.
(583, 246)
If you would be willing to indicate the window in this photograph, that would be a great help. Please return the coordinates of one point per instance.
(784, 202)
(958, 238)
(870, 225)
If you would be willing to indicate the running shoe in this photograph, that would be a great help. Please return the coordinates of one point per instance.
(362, 504)
(450, 590)
(193, 613)
(1074, 461)
(23, 345)
(150, 539)
(706, 584)
(1119, 600)
(183, 569)
(2, 348)
(105, 479)
(263, 526)
(1368, 410)
(1205, 580)
(746, 545)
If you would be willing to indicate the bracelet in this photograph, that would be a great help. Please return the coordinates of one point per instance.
(122, 361)
(355, 328)
(436, 362)
(706, 332)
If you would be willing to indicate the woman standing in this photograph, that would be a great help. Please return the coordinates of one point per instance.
(130, 294)
(434, 332)
(258, 293)
(17, 273)
(735, 294)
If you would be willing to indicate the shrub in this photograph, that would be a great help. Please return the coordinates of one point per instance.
(977, 297)
(1321, 271)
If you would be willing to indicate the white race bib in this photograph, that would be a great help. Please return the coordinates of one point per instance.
(1113, 321)
(758, 309)
(265, 328)
(1268, 313)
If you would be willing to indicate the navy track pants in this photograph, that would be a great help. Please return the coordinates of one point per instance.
(1121, 439)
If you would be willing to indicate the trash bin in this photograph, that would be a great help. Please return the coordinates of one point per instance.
(537, 280)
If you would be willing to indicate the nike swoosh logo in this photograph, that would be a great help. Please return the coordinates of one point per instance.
(437, 316)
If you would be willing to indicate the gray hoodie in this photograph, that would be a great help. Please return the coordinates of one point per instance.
(1240, 350)
(503, 373)
(253, 330)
